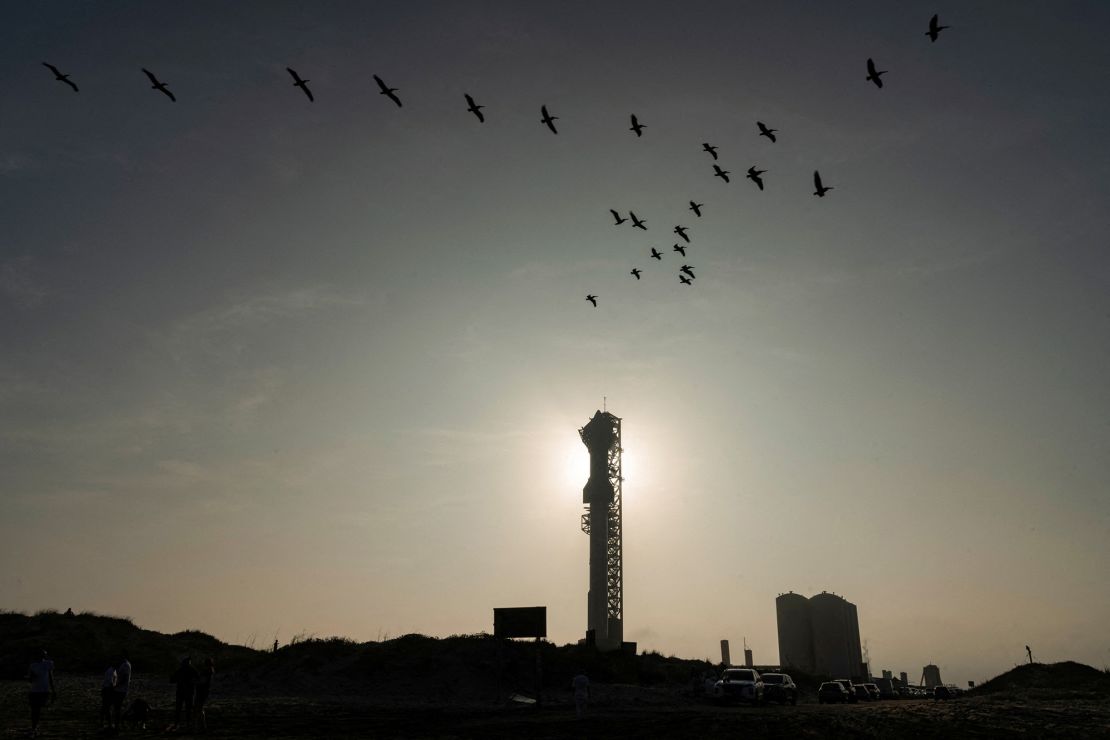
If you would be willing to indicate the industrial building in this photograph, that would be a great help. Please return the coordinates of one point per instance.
(819, 635)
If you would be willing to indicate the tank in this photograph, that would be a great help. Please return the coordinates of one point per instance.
(795, 632)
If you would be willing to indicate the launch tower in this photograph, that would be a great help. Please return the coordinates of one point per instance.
(602, 522)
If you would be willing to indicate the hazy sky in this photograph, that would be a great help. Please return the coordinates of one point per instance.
(272, 366)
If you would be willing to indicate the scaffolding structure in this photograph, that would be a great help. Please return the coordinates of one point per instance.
(603, 499)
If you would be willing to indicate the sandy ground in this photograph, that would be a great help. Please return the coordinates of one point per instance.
(74, 715)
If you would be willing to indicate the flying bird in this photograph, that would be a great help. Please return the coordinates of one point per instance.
(688, 269)
(718, 172)
(681, 249)
(696, 208)
(768, 132)
(873, 74)
(389, 92)
(637, 222)
(548, 119)
(298, 82)
(60, 77)
(635, 272)
(821, 189)
(681, 231)
(156, 85)
(656, 254)
(474, 107)
(711, 149)
(592, 299)
(754, 176)
(618, 218)
(637, 126)
(934, 29)
(685, 280)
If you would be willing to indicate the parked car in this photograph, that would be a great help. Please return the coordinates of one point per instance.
(862, 693)
(941, 692)
(850, 688)
(832, 692)
(874, 691)
(779, 687)
(739, 684)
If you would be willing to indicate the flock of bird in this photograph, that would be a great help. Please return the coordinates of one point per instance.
(685, 272)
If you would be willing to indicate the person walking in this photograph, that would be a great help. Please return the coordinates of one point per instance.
(204, 686)
(107, 692)
(41, 675)
(186, 678)
(581, 686)
(122, 688)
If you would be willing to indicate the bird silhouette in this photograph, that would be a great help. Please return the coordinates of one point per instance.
(156, 85)
(389, 92)
(592, 299)
(718, 172)
(60, 77)
(474, 108)
(768, 132)
(298, 82)
(617, 217)
(637, 222)
(681, 231)
(680, 249)
(821, 189)
(688, 269)
(934, 29)
(696, 208)
(635, 272)
(656, 254)
(754, 176)
(548, 119)
(685, 280)
(873, 74)
(711, 149)
(637, 126)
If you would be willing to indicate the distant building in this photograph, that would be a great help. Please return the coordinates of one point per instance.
(930, 676)
(819, 635)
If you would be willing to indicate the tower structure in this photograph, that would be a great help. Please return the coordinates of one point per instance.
(602, 522)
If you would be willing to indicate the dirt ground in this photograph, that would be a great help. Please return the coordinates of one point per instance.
(622, 713)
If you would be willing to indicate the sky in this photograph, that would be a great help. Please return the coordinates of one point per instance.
(272, 367)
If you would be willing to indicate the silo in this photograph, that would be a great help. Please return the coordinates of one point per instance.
(836, 650)
(795, 636)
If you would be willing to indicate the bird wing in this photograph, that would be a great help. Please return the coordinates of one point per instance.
(308, 93)
(469, 100)
(933, 23)
(294, 75)
(393, 96)
(169, 94)
(70, 83)
(381, 84)
(871, 65)
(151, 77)
(817, 179)
(52, 68)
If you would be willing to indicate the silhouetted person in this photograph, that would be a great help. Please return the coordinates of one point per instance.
(275, 645)
(107, 692)
(718, 172)
(592, 299)
(696, 208)
(581, 685)
(637, 126)
(474, 108)
(873, 74)
(711, 149)
(123, 687)
(204, 686)
(186, 678)
(298, 82)
(934, 29)
(637, 223)
(548, 119)
(821, 189)
(41, 675)
(635, 272)
(156, 85)
(389, 92)
(60, 77)
(656, 254)
(754, 176)
(617, 217)
(681, 249)
(768, 132)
